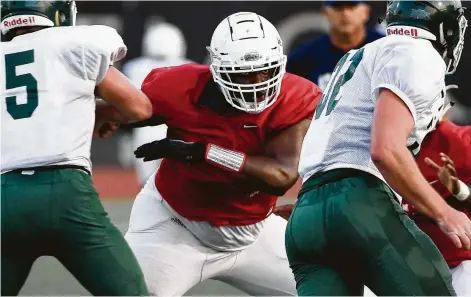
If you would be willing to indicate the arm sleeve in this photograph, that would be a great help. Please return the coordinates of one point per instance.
(410, 68)
(102, 46)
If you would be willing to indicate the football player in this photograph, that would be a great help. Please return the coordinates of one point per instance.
(163, 45)
(450, 146)
(447, 143)
(52, 72)
(234, 136)
(348, 228)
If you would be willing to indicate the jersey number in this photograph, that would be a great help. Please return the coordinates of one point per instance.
(329, 98)
(21, 111)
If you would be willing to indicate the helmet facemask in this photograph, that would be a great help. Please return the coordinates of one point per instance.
(250, 97)
(73, 14)
(453, 43)
(66, 19)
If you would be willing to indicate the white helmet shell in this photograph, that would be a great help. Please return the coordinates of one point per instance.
(246, 42)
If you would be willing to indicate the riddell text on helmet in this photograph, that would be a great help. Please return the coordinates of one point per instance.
(19, 20)
(402, 31)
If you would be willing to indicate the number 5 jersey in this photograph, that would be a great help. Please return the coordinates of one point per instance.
(48, 100)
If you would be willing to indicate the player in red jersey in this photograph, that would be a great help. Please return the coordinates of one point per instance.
(449, 145)
(235, 130)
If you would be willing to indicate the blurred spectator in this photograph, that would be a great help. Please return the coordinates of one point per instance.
(316, 59)
(163, 45)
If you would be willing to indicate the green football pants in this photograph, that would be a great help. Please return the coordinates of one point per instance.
(348, 230)
(58, 213)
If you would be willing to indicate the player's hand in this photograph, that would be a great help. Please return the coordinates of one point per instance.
(104, 129)
(446, 173)
(178, 150)
(284, 211)
(458, 227)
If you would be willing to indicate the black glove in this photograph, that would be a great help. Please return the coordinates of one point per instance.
(178, 150)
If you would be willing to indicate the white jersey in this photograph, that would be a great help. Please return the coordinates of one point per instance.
(340, 133)
(48, 101)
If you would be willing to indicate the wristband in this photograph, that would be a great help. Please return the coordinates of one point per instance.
(224, 158)
(464, 191)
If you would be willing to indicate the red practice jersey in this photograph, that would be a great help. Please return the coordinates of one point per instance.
(202, 192)
(454, 141)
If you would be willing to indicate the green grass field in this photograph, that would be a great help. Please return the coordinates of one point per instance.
(49, 277)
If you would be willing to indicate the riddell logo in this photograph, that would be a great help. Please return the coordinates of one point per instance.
(19, 21)
(402, 31)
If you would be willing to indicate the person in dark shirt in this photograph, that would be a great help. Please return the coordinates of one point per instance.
(316, 59)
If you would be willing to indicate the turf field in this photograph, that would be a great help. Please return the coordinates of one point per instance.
(49, 277)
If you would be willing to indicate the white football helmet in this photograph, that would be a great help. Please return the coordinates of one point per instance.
(245, 43)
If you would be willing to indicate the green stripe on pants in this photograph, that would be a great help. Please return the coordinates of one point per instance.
(347, 230)
(58, 213)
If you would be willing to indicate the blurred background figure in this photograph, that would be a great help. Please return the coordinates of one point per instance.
(163, 45)
(316, 59)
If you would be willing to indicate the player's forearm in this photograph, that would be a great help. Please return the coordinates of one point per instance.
(269, 175)
(118, 91)
(400, 170)
(106, 112)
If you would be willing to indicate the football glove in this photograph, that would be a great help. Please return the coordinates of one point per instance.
(178, 150)
(191, 153)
